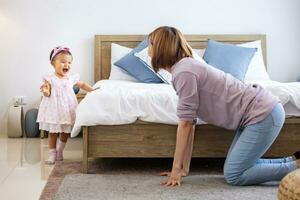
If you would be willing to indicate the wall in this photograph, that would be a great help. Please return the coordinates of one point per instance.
(29, 29)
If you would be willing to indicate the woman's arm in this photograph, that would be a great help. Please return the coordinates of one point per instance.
(183, 131)
(186, 86)
(187, 157)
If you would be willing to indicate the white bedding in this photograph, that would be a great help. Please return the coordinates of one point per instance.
(121, 102)
(288, 94)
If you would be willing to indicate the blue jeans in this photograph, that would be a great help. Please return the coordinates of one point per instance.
(244, 166)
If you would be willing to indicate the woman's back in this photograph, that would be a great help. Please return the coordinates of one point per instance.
(218, 98)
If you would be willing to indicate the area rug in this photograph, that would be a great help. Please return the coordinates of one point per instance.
(137, 179)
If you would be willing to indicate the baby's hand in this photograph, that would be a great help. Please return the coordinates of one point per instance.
(46, 89)
(96, 88)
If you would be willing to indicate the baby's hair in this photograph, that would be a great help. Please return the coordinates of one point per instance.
(59, 50)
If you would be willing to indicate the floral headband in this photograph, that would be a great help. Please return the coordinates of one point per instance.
(58, 50)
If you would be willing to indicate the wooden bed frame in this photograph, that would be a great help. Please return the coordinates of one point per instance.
(144, 139)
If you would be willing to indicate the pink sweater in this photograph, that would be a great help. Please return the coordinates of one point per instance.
(216, 97)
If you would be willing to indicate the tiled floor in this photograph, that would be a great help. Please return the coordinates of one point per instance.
(23, 173)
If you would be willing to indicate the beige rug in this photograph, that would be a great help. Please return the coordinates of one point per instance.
(137, 179)
(146, 186)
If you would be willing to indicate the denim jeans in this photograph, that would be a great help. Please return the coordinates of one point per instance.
(244, 166)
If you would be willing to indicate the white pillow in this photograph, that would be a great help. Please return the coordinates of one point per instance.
(257, 69)
(164, 74)
(200, 52)
(116, 73)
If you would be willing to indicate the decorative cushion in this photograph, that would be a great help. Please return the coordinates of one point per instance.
(257, 69)
(229, 58)
(146, 60)
(164, 74)
(133, 66)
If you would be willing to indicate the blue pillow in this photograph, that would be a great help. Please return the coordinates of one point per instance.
(133, 66)
(229, 58)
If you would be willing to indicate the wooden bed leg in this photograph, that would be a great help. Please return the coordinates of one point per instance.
(85, 150)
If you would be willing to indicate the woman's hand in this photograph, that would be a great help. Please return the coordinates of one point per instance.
(184, 131)
(174, 179)
(46, 89)
(167, 173)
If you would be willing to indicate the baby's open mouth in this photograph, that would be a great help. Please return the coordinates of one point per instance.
(65, 70)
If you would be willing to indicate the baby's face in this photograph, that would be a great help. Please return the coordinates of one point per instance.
(62, 64)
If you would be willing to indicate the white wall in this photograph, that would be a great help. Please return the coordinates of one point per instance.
(29, 29)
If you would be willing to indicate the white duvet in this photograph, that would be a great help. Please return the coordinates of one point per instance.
(123, 102)
(286, 92)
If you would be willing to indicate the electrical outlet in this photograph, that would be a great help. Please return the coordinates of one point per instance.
(19, 100)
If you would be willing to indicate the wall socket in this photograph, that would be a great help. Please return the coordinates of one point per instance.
(19, 100)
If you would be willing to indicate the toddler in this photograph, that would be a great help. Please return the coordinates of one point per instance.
(57, 109)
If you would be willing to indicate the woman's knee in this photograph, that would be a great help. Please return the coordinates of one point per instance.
(234, 180)
(232, 177)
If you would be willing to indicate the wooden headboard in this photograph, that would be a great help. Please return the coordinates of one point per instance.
(103, 47)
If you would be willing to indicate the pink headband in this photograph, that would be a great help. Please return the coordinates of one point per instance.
(57, 50)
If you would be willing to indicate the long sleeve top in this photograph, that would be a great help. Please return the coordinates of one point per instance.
(217, 97)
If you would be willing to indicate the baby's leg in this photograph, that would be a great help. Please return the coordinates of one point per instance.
(52, 137)
(63, 138)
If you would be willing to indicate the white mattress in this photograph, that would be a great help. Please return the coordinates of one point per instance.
(122, 102)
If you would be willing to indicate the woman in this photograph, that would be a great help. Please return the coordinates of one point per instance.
(218, 98)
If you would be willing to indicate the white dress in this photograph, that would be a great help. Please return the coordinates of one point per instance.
(57, 112)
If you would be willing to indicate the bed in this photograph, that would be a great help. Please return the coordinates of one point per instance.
(145, 139)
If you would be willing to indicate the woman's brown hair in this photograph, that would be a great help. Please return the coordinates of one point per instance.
(168, 47)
